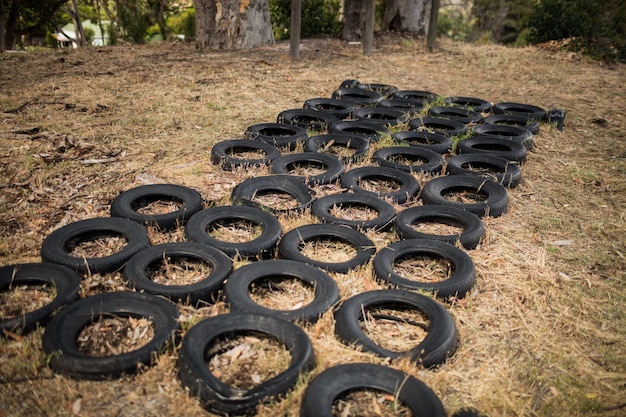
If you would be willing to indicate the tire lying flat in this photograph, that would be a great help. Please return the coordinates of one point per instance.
(434, 349)
(59, 337)
(63, 280)
(127, 204)
(460, 281)
(263, 246)
(326, 387)
(237, 288)
(497, 169)
(247, 191)
(409, 186)
(218, 397)
(56, 248)
(385, 212)
(224, 153)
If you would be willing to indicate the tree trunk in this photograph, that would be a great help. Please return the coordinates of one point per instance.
(11, 24)
(354, 14)
(233, 24)
(79, 32)
(3, 24)
(407, 15)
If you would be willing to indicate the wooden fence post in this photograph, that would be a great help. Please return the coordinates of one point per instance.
(432, 25)
(368, 38)
(294, 30)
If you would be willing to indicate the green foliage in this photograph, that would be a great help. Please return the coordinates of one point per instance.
(502, 21)
(136, 22)
(90, 34)
(183, 23)
(597, 28)
(455, 24)
(319, 17)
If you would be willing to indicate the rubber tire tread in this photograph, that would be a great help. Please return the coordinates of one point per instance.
(529, 111)
(478, 104)
(324, 388)
(409, 187)
(322, 206)
(317, 120)
(458, 284)
(220, 154)
(217, 397)
(439, 343)
(262, 246)
(291, 242)
(502, 171)
(237, 289)
(441, 143)
(496, 146)
(358, 143)
(341, 109)
(459, 113)
(473, 226)
(446, 127)
(136, 272)
(514, 133)
(390, 116)
(333, 166)
(123, 205)
(246, 190)
(370, 130)
(433, 164)
(54, 246)
(65, 282)
(495, 205)
(289, 140)
(533, 126)
(59, 337)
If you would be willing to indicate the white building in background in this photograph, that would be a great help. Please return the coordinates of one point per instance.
(67, 35)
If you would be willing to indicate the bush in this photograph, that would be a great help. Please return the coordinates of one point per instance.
(597, 28)
(455, 24)
(183, 23)
(319, 17)
(136, 24)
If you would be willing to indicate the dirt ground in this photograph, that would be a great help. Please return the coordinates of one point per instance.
(542, 334)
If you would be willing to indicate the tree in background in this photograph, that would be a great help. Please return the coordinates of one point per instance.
(26, 17)
(501, 21)
(407, 15)
(319, 17)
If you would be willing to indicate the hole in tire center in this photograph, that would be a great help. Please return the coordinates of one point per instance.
(394, 326)
(306, 168)
(369, 403)
(435, 226)
(277, 132)
(377, 184)
(22, 298)
(241, 152)
(483, 168)
(465, 195)
(276, 199)
(157, 205)
(96, 245)
(178, 270)
(328, 250)
(423, 268)
(491, 147)
(234, 230)
(338, 150)
(245, 359)
(354, 212)
(281, 293)
(109, 335)
(406, 159)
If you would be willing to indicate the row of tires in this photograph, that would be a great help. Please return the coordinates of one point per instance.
(137, 255)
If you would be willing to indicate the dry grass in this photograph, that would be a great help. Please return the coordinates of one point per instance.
(542, 334)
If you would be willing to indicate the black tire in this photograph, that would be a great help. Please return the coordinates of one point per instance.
(65, 282)
(237, 289)
(370, 130)
(495, 146)
(127, 204)
(292, 242)
(435, 142)
(220, 398)
(358, 143)
(329, 385)
(263, 246)
(458, 284)
(307, 118)
(384, 90)
(514, 133)
(56, 247)
(138, 271)
(438, 125)
(349, 84)
(496, 203)
(419, 97)
(434, 349)
(341, 109)
(333, 167)
(409, 107)
(458, 113)
(427, 160)
(381, 115)
(281, 135)
(477, 104)
(59, 337)
(359, 96)
(470, 237)
(383, 221)
(246, 191)
(409, 186)
(492, 167)
(513, 120)
(223, 154)
(528, 111)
